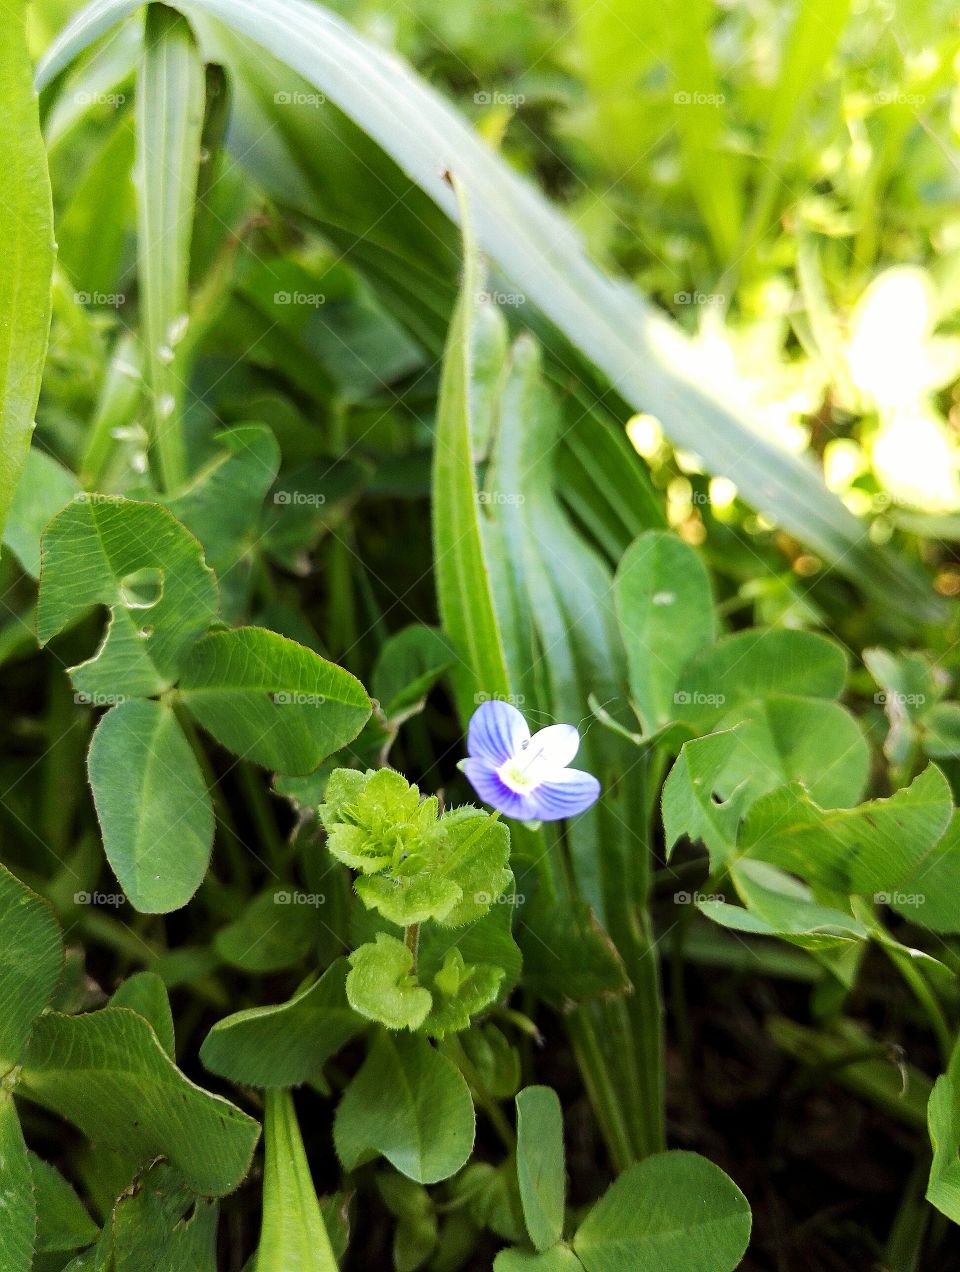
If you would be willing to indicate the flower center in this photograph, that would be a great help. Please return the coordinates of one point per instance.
(522, 773)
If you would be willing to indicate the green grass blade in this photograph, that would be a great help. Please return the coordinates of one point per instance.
(26, 231)
(170, 108)
(463, 577)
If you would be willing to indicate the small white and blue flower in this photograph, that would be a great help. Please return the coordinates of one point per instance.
(522, 776)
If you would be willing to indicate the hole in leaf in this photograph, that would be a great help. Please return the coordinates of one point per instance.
(143, 588)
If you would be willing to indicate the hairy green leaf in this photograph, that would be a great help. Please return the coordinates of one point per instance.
(673, 1212)
(270, 700)
(541, 1164)
(152, 801)
(108, 1075)
(31, 960)
(287, 1044)
(141, 562)
(410, 1104)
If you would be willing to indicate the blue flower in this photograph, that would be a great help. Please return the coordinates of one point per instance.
(526, 777)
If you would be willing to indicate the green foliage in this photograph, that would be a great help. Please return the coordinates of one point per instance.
(410, 1104)
(293, 1235)
(152, 803)
(540, 1164)
(314, 479)
(108, 1075)
(288, 1044)
(26, 226)
(675, 1211)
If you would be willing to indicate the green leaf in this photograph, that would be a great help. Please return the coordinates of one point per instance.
(559, 1259)
(288, 1044)
(759, 746)
(293, 1237)
(31, 960)
(108, 1075)
(381, 984)
(160, 1223)
(943, 1122)
(665, 609)
(670, 1213)
(44, 489)
(154, 809)
(137, 559)
(170, 106)
(406, 900)
(460, 992)
(271, 700)
(62, 1221)
(463, 578)
(689, 806)
(779, 905)
(410, 1104)
(941, 731)
(932, 896)
(222, 506)
(567, 956)
(146, 994)
(754, 664)
(26, 231)
(269, 934)
(19, 1227)
(376, 819)
(880, 848)
(473, 854)
(408, 666)
(541, 1170)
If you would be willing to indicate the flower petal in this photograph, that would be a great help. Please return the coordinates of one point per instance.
(497, 732)
(565, 794)
(491, 788)
(555, 746)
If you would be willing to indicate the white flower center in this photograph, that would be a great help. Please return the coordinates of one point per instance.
(524, 772)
